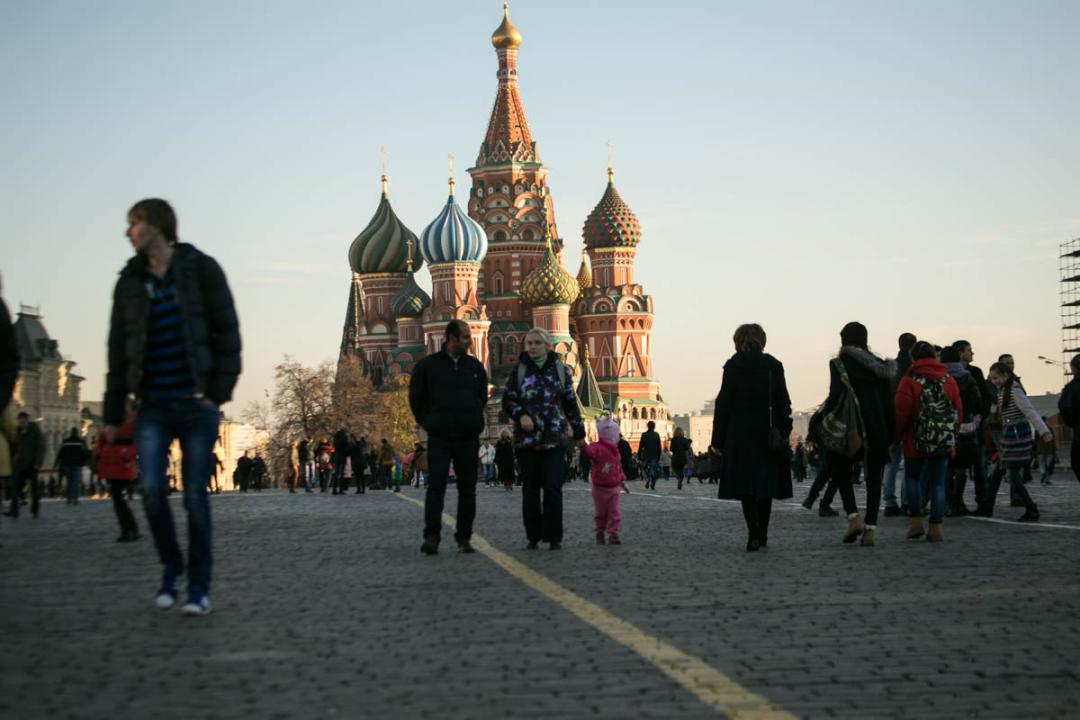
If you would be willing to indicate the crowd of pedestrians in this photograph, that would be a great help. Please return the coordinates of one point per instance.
(929, 419)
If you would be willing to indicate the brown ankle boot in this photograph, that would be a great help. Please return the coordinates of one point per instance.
(933, 533)
(867, 535)
(854, 528)
(914, 528)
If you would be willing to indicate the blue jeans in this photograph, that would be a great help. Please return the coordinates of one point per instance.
(889, 486)
(73, 473)
(924, 479)
(489, 472)
(195, 424)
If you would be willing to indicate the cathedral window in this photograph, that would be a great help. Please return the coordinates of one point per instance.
(500, 236)
(511, 347)
(527, 235)
(498, 284)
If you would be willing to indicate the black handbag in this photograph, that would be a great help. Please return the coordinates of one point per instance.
(776, 442)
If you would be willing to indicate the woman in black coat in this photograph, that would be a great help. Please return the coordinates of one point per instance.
(872, 379)
(750, 470)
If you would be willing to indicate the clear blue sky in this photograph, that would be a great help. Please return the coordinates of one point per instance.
(800, 164)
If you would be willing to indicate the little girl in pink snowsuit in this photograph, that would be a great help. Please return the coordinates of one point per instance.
(607, 479)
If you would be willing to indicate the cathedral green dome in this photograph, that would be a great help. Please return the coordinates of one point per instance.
(549, 283)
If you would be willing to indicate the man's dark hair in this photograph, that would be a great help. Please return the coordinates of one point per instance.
(652, 425)
(960, 345)
(159, 214)
(1002, 356)
(950, 354)
(922, 350)
(454, 328)
(906, 340)
(24, 414)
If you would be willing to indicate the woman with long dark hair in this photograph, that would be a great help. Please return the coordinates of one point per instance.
(870, 378)
(751, 427)
(1018, 416)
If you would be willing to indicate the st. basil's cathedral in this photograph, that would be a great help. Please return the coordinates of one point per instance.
(497, 265)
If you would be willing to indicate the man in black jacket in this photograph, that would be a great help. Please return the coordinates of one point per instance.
(174, 347)
(26, 464)
(1069, 405)
(70, 459)
(447, 394)
(648, 454)
(341, 454)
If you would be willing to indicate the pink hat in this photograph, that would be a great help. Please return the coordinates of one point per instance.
(608, 430)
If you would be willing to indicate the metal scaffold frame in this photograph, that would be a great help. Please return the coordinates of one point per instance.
(1070, 301)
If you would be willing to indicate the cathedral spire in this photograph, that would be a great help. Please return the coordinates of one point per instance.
(508, 138)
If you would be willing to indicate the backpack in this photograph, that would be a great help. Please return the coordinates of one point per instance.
(842, 430)
(559, 368)
(935, 423)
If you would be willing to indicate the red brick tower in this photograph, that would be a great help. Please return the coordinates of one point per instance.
(613, 318)
(511, 201)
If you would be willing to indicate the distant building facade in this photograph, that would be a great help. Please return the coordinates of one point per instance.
(48, 387)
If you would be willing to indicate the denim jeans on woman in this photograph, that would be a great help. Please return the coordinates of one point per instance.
(924, 480)
(195, 424)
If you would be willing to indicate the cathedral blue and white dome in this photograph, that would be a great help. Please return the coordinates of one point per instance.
(453, 236)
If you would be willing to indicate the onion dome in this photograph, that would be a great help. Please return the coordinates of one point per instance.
(611, 223)
(549, 284)
(453, 236)
(382, 247)
(584, 275)
(506, 35)
(410, 301)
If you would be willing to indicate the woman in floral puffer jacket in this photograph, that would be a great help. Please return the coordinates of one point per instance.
(541, 401)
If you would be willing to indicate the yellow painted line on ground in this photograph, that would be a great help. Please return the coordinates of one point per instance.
(708, 685)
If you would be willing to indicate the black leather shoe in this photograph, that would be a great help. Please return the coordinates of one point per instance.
(555, 546)
(893, 511)
(752, 545)
(1029, 516)
(826, 511)
(430, 547)
(808, 503)
(464, 546)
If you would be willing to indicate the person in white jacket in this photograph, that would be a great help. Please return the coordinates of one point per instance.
(487, 462)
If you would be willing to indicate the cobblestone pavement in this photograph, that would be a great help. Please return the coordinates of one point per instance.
(324, 608)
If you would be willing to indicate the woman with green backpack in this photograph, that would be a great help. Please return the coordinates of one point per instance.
(928, 413)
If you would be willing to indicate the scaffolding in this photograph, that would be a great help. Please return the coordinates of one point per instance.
(1070, 301)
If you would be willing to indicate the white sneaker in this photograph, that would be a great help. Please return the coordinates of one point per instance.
(164, 600)
(197, 606)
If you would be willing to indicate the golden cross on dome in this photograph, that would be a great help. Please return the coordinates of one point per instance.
(450, 168)
(383, 178)
(610, 153)
(408, 261)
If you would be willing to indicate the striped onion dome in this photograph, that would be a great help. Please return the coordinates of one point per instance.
(382, 247)
(611, 223)
(584, 275)
(453, 236)
(549, 284)
(410, 301)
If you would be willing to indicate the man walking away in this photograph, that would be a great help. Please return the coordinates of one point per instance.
(304, 454)
(70, 459)
(648, 454)
(447, 394)
(896, 456)
(26, 464)
(174, 344)
(341, 454)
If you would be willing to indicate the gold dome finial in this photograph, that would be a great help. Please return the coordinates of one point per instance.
(450, 169)
(383, 184)
(610, 176)
(506, 35)
(408, 261)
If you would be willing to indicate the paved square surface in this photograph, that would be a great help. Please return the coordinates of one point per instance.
(324, 608)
